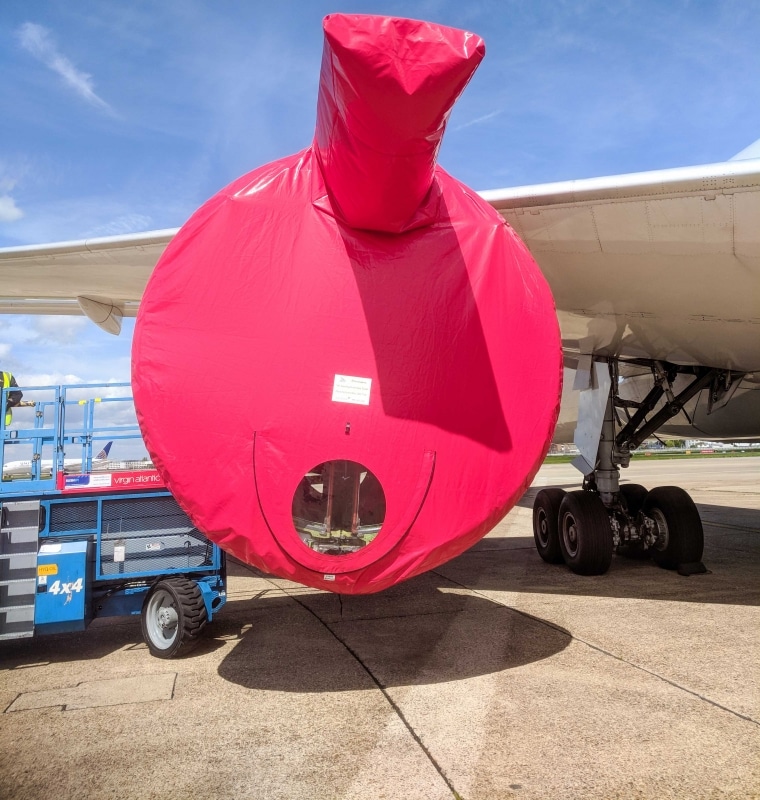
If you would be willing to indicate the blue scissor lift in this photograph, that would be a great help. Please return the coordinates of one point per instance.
(84, 536)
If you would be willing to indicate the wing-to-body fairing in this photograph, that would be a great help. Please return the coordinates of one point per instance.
(656, 280)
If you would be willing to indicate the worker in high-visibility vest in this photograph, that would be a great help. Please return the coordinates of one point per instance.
(12, 398)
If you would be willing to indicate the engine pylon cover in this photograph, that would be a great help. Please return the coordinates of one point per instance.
(346, 365)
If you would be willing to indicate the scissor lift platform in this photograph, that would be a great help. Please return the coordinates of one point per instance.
(96, 542)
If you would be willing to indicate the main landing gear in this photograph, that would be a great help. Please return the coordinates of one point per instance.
(584, 528)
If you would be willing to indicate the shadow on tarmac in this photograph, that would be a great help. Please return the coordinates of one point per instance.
(418, 632)
(511, 564)
(410, 635)
(103, 638)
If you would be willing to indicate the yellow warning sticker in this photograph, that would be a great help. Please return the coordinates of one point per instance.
(47, 569)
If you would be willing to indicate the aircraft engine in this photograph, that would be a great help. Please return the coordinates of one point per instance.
(346, 365)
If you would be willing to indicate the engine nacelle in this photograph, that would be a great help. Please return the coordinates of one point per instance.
(346, 366)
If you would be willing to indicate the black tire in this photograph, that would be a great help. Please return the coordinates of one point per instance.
(681, 539)
(585, 536)
(633, 496)
(173, 615)
(545, 524)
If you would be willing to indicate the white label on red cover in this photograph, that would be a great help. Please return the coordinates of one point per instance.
(350, 389)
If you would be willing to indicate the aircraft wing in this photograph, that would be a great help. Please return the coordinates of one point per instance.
(102, 278)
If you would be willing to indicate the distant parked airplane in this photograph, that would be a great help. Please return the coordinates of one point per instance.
(17, 469)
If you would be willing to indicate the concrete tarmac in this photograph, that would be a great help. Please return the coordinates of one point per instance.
(495, 676)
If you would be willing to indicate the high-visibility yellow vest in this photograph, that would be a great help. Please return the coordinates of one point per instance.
(6, 385)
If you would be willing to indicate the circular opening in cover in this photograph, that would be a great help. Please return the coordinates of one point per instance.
(338, 508)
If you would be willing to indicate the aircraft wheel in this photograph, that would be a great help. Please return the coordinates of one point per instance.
(634, 495)
(585, 536)
(173, 615)
(545, 524)
(680, 538)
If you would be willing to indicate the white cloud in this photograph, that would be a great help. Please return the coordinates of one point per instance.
(9, 211)
(479, 120)
(48, 350)
(59, 330)
(37, 40)
(50, 379)
(65, 219)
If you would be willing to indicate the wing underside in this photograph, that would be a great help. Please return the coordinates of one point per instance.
(661, 265)
(101, 278)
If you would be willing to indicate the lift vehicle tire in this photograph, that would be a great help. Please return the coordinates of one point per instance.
(680, 536)
(585, 535)
(546, 522)
(173, 615)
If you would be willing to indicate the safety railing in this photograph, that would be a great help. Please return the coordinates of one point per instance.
(68, 429)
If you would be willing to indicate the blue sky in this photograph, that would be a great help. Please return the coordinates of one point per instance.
(124, 117)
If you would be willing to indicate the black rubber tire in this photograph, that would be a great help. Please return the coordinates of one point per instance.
(634, 495)
(545, 524)
(173, 615)
(585, 535)
(681, 538)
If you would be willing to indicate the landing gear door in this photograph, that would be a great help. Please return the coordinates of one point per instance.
(591, 407)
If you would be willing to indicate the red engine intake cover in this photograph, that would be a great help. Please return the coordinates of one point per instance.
(346, 365)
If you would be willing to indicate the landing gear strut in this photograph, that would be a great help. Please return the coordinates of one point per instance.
(584, 528)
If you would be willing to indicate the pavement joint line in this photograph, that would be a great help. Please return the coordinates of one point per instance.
(599, 649)
(248, 596)
(77, 705)
(384, 691)
(396, 616)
